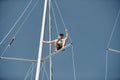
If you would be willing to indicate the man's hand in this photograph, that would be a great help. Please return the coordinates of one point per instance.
(43, 41)
(66, 30)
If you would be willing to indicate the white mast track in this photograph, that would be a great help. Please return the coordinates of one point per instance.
(41, 41)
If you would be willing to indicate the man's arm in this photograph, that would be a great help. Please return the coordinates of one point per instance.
(67, 36)
(49, 42)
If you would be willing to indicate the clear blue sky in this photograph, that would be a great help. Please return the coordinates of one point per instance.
(89, 23)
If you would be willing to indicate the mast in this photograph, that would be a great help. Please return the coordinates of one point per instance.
(50, 38)
(41, 41)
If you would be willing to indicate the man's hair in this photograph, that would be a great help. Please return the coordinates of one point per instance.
(61, 34)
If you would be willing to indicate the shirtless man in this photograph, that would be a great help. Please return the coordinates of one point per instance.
(60, 42)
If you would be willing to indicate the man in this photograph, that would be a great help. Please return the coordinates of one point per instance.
(60, 42)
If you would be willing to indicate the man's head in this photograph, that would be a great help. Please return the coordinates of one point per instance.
(61, 36)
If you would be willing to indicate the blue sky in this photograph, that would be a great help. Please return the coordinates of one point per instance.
(89, 24)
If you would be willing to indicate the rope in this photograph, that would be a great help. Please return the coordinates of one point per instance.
(66, 30)
(56, 26)
(60, 14)
(9, 44)
(4, 51)
(45, 71)
(58, 34)
(28, 72)
(32, 71)
(114, 26)
(20, 28)
(16, 22)
(26, 17)
(43, 76)
(73, 60)
(42, 66)
(106, 70)
(32, 66)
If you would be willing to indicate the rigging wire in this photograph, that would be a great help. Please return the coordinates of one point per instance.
(57, 32)
(4, 51)
(50, 38)
(28, 72)
(114, 26)
(43, 75)
(32, 71)
(66, 30)
(59, 12)
(10, 43)
(42, 68)
(4, 38)
(56, 26)
(44, 71)
(73, 61)
(26, 18)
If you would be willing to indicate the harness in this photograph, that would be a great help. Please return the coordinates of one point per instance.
(59, 43)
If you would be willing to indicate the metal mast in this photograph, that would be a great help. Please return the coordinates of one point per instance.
(41, 41)
(50, 38)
